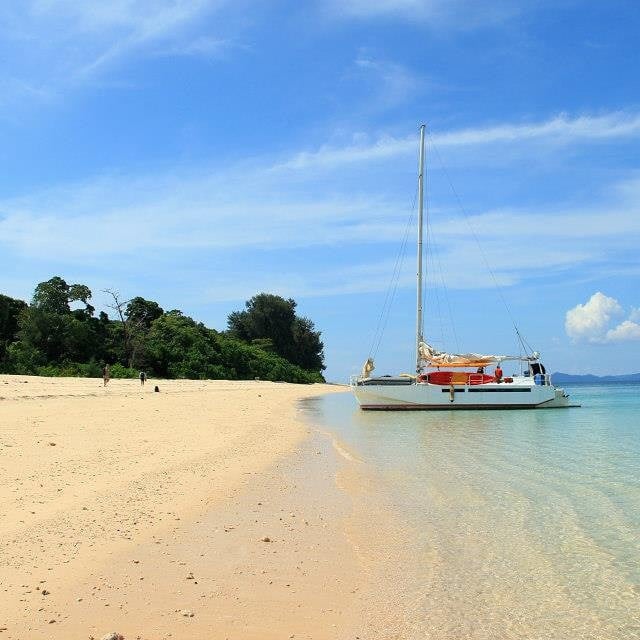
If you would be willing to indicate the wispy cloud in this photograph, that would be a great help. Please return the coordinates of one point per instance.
(452, 14)
(390, 83)
(14, 89)
(561, 129)
(113, 217)
(135, 25)
(203, 47)
(330, 157)
(59, 44)
(557, 131)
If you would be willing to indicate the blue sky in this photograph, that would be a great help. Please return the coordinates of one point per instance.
(196, 152)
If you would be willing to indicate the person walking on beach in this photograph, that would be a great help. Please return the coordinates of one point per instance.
(143, 378)
(106, 375)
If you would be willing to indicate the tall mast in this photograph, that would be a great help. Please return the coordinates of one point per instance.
(420, 225)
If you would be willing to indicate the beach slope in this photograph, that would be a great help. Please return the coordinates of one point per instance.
(205, 510)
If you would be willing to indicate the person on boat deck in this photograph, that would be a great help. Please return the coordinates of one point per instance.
(498, 373)
(480, 370)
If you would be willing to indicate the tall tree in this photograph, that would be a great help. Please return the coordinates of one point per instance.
(266, 316)
(273, 318)
(10, 309)
(56, 296)
(50, 328)
(140, 313)
(309, 349)
(136, 317)
(139, 317)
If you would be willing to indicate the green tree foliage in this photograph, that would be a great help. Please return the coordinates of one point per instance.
(10, 310)
(271, 317)
(180, 347)
(50, 328)
(55, 296)
(140, 313)
(59, 335)
(308, 348)
(138, 318)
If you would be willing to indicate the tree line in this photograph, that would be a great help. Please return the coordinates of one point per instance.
(59, 334)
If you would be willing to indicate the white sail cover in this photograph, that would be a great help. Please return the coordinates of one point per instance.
(436, 358)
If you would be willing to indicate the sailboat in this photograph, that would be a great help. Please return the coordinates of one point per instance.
(455, 381)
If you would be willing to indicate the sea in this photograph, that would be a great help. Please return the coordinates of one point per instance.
(495, 524)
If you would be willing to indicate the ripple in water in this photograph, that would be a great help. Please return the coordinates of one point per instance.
(502, 524)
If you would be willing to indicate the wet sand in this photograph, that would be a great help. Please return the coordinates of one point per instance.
(208, 510)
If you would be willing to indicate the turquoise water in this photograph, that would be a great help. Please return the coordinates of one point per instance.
(501, 524)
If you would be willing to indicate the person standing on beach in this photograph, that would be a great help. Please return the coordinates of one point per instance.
(143, 377)
(106, 374)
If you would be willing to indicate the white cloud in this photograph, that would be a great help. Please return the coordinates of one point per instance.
(110, 217)
(60, 44)
(391, 83)
(135, 25)
(626, 331)
(559, 130)
(204, 47)
(119, 215)
(589, 321)
(592, 321)
(328, 157)
(458, 14)
(173, 214)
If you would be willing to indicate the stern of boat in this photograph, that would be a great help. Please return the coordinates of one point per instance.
(560, 400)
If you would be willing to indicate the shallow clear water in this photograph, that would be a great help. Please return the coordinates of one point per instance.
(500, 524)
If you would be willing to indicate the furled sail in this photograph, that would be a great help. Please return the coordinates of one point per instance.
(434, 358)
(367, 368)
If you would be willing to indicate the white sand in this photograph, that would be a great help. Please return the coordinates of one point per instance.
(111, 499)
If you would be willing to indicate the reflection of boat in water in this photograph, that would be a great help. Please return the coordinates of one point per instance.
(455, 381)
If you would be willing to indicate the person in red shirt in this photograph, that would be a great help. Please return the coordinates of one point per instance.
(498, 373)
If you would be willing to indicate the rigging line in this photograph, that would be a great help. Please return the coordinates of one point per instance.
(391, 289)
(436, 259)
(434, 296)
(431, 259)
(433, 266)
(396, 279)
(447, 298)
(475, 237)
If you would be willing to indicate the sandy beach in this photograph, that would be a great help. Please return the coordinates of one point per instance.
(207, 510)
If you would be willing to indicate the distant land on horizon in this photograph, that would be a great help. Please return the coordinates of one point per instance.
(569, 377)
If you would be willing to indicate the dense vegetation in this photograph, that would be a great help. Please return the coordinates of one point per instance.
(59, 334)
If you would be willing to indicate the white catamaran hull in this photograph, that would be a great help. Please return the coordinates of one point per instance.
(425, 396)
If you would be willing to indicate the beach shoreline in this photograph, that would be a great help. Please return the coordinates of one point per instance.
(210, 507)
